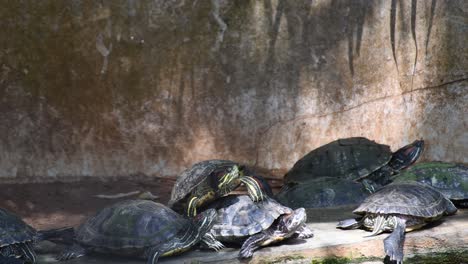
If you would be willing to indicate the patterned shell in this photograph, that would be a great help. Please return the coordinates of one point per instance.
(448, 178)
(323, 192)
(13, 230)
(132, 224)
(349, 158)
(411, 199)
(239, 216)
(196, 175)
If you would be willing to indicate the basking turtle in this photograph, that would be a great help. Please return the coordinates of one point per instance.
(253, 225)
(448, 178)
(207, 180)
(17, 238)
(139, 228)
(353, 158)
(323, 192)
(399, 207)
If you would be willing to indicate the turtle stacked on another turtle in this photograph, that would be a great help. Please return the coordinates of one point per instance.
(355, 159)
(399, 208)
(448, 178)
(208, 180)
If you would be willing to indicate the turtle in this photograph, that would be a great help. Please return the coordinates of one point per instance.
(10, 260)
(450, 179)
(324, 192)
(207, 180)
(139, 228)
(399, 208)
(18, 238)
(354, 158)
(256, 224)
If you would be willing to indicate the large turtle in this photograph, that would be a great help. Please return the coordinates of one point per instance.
(207, 180)
(323, 192)
(241, 221)
(353, 158)
(399, 208)
(139, 228)
(450, 179)
(17, 238)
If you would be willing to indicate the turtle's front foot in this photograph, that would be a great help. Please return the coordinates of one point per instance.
(211, 242)
(192, 207)
(74, 251)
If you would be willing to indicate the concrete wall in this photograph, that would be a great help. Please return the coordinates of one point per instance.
(124, 88)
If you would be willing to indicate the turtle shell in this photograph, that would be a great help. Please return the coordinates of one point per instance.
(448, 178)
(132, 224)
(349, 158)
(411, 199)
(196, 176)
(240, 217)
(14, 230)
(323, 192)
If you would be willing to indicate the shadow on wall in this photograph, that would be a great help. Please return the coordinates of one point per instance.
(116, 88)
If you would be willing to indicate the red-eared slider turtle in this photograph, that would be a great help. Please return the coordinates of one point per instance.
(353, 158)
(448, 178)
(323, 192)
(207, 180)
(139, 228)
(399, 207)
(254, 225)
(17, 238)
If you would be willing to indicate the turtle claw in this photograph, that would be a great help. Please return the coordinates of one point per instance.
(211, 242)
(192, 207)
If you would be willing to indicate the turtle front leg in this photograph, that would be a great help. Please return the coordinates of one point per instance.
(256, 192)
(303, 232)
(192, 206)
(252, 244)
(393, 244)
(75, 251)
(209, 241)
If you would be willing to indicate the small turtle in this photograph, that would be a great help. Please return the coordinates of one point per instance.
(354, 158)
(323, 192)
(448, 178)
(17, 238)
(207, 180)
(241, 221)
(139, 228)
(399, 207)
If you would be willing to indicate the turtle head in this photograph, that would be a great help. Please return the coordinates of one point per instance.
(205, 220)
(230, 180)
(288, 224)
(407, 155)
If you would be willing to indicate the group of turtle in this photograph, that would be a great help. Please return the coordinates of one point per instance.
(203, 210)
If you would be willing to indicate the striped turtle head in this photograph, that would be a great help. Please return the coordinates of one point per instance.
(205, 220)
(407, 155)
(230, 180)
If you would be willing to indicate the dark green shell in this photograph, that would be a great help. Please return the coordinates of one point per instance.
(448, 178)
(132, 224)
(323, 192)
(411, 199)
(240, 217)
(198, 176)
(14, 230)
(349, 158)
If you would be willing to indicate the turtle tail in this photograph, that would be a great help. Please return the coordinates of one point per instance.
(63, 235)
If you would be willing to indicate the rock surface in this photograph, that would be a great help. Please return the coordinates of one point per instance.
(122, 88)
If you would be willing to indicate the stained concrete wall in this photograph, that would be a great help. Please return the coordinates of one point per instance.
(124, 88)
